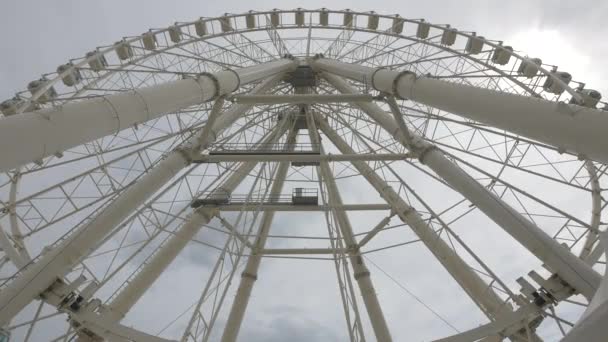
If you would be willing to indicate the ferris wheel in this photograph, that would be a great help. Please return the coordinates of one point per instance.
(323, 137)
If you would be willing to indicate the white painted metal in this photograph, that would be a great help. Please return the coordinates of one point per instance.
(46, 132)
(474, 286)
(495, 330)
(579, 275)
(572, 128)
(57, 262)
(360, 270)
(164, 256)
(250, 274)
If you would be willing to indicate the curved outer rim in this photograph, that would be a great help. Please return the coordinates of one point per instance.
(131, 61)
(111, 48)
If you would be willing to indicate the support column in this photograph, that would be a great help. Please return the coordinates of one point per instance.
(165, 255)
(138, 285)
(580, 130)
(569, 267)
(250, 274)
(480, 292)
(57, 262)
(43, 133)
(360, 270)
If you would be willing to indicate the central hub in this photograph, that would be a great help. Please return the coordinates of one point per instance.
(303, 76)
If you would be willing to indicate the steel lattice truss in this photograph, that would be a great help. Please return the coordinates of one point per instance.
(221, 187)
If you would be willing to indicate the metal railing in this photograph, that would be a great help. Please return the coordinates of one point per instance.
(297, 196)
(265, 148)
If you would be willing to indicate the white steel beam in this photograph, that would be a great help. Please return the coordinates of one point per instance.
(305, 251)
(130, 294)
(570, 268)
(139, 284)
(592, 324)
(301, 207)
(580, 130)
(46, 132)
(480, 292)
(219, 158)
(360, 270)
(250, 274)
(302, 98)
(56, 263)
(494, 331)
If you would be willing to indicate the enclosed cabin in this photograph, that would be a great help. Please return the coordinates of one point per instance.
(200, 26)
(250, 20)
(398, 23)
(299, 17)
(149, 40)
(557, 81)
(275, 18)
(97, 61)
(324, 17)
(423, 29)
(590, 97)
(448, 37)
(38, 85)
(475, 44)
(349, 19)
(529, 67)
(71, 75)
(11, 106)
(226, 23)
(123, 50)
(372, 21)
(502, 55)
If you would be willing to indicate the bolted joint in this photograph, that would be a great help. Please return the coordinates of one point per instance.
(236, 86)
(214, 80)
(398, 79)
(423, 149)
(361, 275)
(249, 275)
(372, 78)
(384, 80)
(353, 248)
(187, 152)
(221, 80)
(405, 212)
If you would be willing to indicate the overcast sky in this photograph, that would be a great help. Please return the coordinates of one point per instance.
(37, 36)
